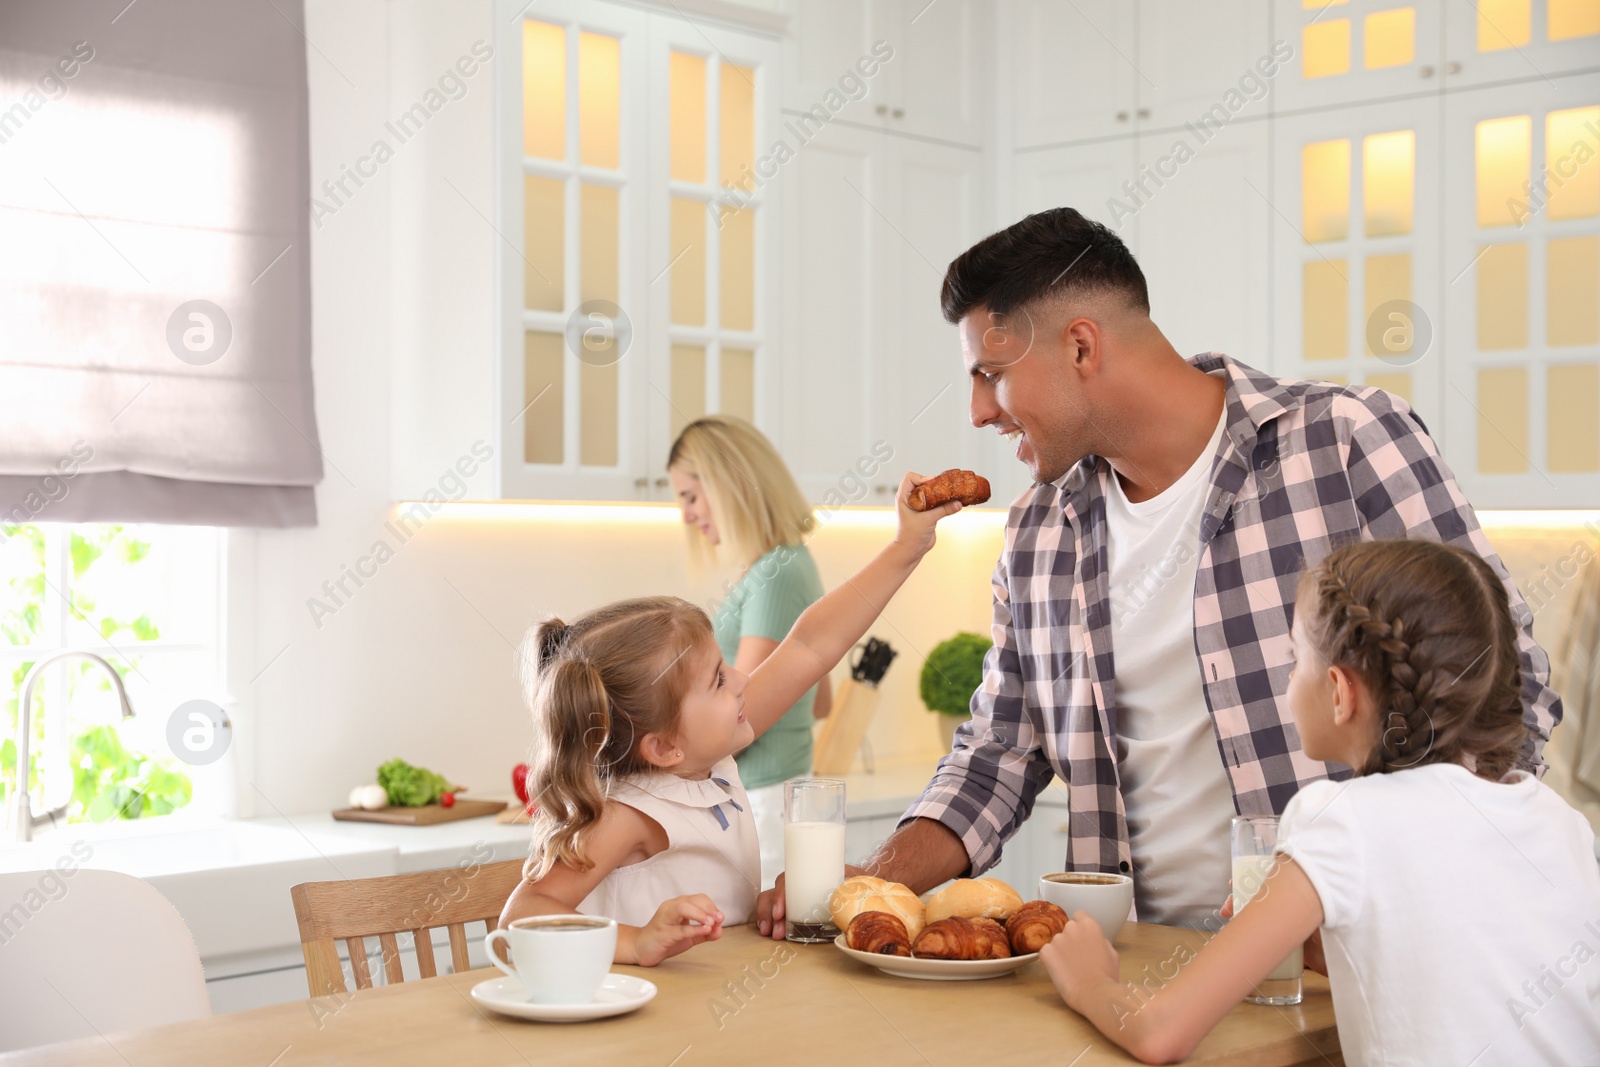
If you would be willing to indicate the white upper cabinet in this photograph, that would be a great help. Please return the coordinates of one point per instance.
(906, 66)
(637, 245)
(1514, 40)
(1522, 293)
(1352, 51)
(1357, 287)
(1074, 69)
(1205, 65)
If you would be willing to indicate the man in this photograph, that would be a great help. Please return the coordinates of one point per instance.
(1143, 600)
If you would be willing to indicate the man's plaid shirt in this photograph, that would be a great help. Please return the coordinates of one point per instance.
(1302, 468)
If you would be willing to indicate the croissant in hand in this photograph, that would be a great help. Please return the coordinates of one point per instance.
(1032, 926)
(965, 486)
(958, 938)
(880, 933)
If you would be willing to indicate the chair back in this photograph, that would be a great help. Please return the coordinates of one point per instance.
(86, 952)
(355, 909)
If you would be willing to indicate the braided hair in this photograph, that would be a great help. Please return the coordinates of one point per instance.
(1427, 628)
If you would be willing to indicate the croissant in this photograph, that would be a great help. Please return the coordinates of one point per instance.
(878, 932)
(957, 938)
(965, 486)
(1033, 925)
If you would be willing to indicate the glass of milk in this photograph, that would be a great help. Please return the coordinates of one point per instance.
(1254, 839)
(813, 855)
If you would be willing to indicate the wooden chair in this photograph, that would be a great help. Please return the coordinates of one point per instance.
(356, 909)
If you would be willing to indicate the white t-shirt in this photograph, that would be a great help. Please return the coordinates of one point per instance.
(1178, 799)
(1461, 918)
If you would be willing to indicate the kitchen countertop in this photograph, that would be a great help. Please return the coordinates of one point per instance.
(741, 999)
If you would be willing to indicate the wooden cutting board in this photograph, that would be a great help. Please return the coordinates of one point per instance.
(425, 815)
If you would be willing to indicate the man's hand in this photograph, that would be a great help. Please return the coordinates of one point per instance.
(769, 905)
(1311, 952)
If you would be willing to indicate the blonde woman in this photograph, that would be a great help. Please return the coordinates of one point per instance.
(742, 508)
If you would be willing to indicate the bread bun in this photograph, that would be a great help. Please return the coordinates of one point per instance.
(866, 893)
(972, 898)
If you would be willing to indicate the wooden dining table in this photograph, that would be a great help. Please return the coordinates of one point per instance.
(743, 999)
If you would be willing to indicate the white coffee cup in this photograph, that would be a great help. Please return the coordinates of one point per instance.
(1106, 897)
(559, 959)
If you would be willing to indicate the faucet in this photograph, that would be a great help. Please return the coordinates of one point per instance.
(20, 817)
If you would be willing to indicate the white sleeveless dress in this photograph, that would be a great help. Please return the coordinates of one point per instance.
(712, 848)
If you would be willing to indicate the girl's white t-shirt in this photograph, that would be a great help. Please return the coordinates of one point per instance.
(712, 848)
(1461, 917)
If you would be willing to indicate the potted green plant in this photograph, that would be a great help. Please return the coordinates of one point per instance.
(951, 674)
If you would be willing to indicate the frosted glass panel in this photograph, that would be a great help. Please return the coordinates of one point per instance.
(1325, 317)
(543, 230)
(1503, 297)
(1388, 278)
(1317, 5)
(1573, 278)
(739, 383)
(599, 100)
(1503, 421)
(544, 90)
(1326, 45)
(688, 239)
(1573, 427)
(597, 414)
(1504, 24)
(1398, 384)
(1574, 18)
(1390, 38)
(542, 392)
(1325, 190)
(738, 125)
(738, 269)
(686, 99)
(1572, 145)
(1388, 181)
(1504, 154)
(597, 256)
(687, 391)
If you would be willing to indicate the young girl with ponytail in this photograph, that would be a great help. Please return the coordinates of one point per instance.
(1458, 899)
(641, 815)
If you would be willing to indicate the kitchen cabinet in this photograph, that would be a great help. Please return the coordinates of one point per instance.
(1356, 51)
(932, 85)
(1516, 40)
(1074, 70)
(873, 381)
(1520, 325)
(1195, 58)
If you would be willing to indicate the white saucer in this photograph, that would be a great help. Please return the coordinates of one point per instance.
(618, 994)
(936, 970)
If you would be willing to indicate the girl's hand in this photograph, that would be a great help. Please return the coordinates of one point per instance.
(1080, 958)
(677, 926)
(1310, 953)
(916, 527)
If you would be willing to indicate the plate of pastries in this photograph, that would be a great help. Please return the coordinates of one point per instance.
(972, 928)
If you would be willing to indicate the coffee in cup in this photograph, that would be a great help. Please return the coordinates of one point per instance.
(559, 959)
(1106, 897)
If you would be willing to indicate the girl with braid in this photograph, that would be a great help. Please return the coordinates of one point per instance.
(1458, 898)
(637, 717)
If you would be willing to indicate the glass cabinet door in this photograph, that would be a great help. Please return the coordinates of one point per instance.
(1351, 51)
(1522, 267)
(1506, 40)
(1357, 238)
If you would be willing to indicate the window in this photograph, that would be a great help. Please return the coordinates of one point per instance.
(146, 599)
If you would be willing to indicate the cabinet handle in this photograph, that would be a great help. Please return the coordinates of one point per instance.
(641, 483)
(1425, 71)
(880, 489)
(1122, 116)
(1144, 112)
(662, 483)
(1452, 67)
(883, 109)
(899, 112)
